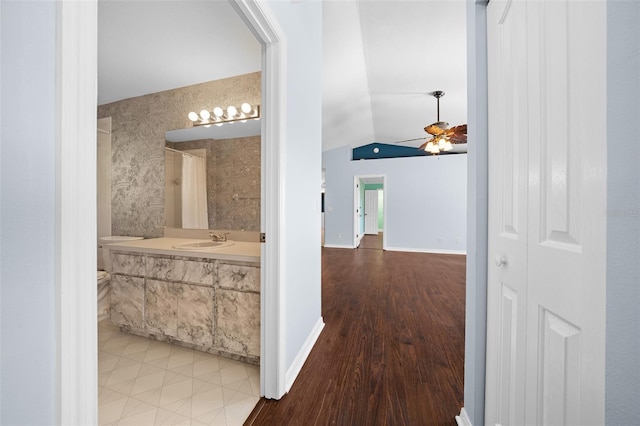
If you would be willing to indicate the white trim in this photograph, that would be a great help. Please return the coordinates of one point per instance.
(434, 251)
(263, 24)
(340, 246)
(304, 352)
(76, 147)
(463, 418)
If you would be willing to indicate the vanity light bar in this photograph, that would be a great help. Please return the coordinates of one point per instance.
(220, 116)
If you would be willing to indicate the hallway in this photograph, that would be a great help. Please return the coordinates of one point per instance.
(392, 350)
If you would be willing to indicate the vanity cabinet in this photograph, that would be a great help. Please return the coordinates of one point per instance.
(208, 304)
(238, 308)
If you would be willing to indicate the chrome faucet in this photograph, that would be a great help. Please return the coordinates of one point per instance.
(218, 237)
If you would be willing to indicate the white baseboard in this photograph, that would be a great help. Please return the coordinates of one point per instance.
(338, 246)
(463, 418)
(434, 251)
(297, 364)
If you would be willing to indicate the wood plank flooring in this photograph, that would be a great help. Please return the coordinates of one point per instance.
(371, 242)
(392, 350)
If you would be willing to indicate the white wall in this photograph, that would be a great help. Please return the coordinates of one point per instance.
(28, 383)
(623, 222)
(302, 25)
(426, 200)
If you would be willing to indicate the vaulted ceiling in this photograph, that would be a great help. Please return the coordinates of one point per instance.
(381, 59)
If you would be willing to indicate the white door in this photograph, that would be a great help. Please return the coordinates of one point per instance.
(547, 177)
(371, 212)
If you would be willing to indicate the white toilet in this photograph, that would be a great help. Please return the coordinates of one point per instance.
(104, 266)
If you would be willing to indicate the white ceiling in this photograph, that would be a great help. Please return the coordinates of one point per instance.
(381, 58)
(150, 46)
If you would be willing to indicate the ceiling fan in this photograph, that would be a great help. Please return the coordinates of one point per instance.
(443, 137)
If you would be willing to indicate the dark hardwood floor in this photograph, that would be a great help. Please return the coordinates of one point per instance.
(392, 350)
(371, 242)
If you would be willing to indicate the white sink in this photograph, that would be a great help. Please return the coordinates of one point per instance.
(200, 245)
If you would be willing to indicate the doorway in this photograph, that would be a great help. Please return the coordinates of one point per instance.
(77, 337)
(369, 219)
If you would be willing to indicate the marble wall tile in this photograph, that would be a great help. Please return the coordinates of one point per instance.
(137, 143)
(129, 264)
(238, 322)
(195, 314)
(239, 277)
(180, 270)
(127, 301)
(161, 307)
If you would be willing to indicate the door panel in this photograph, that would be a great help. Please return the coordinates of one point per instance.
(547, 177)
(508, 163)
(371, 212)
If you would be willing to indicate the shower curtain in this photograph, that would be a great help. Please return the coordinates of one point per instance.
(194, 192)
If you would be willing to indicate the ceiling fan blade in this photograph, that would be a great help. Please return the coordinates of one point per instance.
(457, 139)
(408, 140)
(434, 130)
(461, 129)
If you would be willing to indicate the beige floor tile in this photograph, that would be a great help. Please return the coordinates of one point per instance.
(147, 382)
(233, 374)
(238, 412)
(206, 402)
(143, 418)
(109, 412)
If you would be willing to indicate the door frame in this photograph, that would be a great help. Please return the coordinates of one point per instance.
(76, 62)
(357, 179)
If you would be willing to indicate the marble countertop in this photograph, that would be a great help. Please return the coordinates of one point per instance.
(238, 251)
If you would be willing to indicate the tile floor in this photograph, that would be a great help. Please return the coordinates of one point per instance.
(145, 382)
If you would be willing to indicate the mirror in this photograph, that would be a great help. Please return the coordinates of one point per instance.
(212, 177)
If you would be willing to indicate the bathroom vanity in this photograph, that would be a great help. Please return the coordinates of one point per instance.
(173, 289)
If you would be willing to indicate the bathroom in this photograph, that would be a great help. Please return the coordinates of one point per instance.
(132, 183)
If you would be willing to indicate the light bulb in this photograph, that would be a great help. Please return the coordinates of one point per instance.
(232, 111)
(218, 112)
(219, 124)
(205, 114)
(193, 116)
(246, 108)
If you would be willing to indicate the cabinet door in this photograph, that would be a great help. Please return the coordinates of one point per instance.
(238, 320)
(127, 301)
(161, 307)
(195, 314)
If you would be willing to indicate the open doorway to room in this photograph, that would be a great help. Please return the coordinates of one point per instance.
(369, 212)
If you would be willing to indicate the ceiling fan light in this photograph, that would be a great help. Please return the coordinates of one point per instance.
(435, 149)
(442, 143)
(448, 146)
(429, 146)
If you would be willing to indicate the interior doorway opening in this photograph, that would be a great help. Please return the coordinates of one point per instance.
(369, 209)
